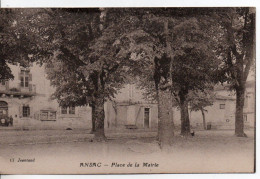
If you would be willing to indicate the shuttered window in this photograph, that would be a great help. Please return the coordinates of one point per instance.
(25, 77)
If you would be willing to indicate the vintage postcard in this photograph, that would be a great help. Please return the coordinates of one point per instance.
(127, 90)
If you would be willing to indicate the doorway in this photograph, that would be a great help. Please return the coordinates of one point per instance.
(3, 108)
(146, 117)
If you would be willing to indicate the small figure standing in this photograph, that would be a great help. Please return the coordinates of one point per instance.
(11, 120)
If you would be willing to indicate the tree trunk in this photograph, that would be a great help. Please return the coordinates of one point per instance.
(203, 118)
(185, 121)
(165, 116)
(164, 95)
(239, 122)
(99, 117)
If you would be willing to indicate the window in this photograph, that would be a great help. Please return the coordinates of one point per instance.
(25, 77)
(48, 115)
(44, 115)
(246, 102)
(68, 110)
(245, 117)
(2, 82)
(63, 110)
(72, 110)
(222, 106)
(52, 115)
(26, 111)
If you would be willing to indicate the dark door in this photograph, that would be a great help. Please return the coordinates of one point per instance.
(3, 108)
(146, 117)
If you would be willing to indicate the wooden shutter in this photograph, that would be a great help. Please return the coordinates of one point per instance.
(20, 80)
(7, 85)
(30, 77)
(30, 111)
(21, 110)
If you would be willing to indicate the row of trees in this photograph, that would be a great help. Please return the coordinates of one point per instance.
(178, 54)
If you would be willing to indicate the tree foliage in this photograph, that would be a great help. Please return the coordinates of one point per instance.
(238, 54)
(15, 47)
(79, 61)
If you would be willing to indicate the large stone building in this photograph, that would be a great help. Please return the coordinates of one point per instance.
(27, 98)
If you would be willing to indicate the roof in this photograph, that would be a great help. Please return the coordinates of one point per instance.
(221, 97)
(219, 87)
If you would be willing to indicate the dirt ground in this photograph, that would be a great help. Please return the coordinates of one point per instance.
(209, 151)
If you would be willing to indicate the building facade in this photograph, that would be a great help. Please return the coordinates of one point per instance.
(221, 115)
(129, 110)
(27, 99)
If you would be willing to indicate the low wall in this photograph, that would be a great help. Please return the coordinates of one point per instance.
(61, 123)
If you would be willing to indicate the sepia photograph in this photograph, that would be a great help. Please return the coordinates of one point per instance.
(127, 90)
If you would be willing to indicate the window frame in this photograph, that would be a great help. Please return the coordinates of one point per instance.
(245, 117)
(72, 110)
(3, 82)
(222, 106)
(64, 110)
(149, 113)
(26, 111)
(24, 78)
(49, 115)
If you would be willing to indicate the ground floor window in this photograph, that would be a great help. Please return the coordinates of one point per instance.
(44, 115)
(47, 115)
(72, 110)
(26, 111)
(63, 110)
(52, 115)
(68, 110)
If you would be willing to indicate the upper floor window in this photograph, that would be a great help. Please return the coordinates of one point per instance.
(222, 106)
(25, 77)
